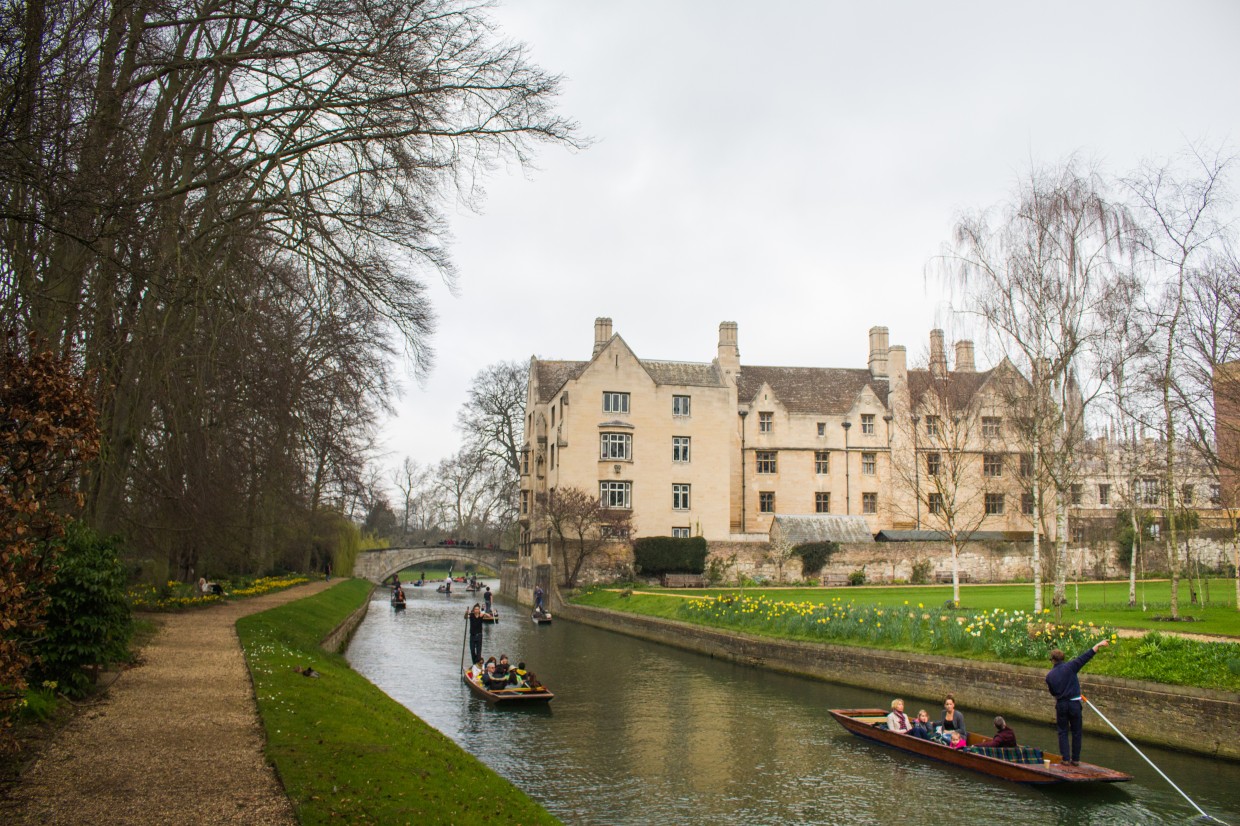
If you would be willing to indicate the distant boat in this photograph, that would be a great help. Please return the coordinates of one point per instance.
(541, 618)
(508, 696)
(1043, 768)
(398, 603)
(493, 616)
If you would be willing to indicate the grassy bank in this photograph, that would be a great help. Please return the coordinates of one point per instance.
(348, 753)
(912, 619)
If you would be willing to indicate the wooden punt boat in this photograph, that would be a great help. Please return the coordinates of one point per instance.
(398, 604)
(861, 722)
(542, 618)
(491, 617)
(508, 695)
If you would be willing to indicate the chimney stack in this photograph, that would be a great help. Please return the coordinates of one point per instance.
(729, 349)
(878, 352)
(964, 357)
(602, 334)
(938, 357)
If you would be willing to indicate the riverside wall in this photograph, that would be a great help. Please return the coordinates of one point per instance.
(1196, 720)
(338, 639)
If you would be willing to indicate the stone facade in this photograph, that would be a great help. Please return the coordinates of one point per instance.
(718, 449)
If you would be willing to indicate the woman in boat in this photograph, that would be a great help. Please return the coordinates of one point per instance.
(953, 720)
(502, 667)
(896, 720)
(922, 727)
(1004, 737)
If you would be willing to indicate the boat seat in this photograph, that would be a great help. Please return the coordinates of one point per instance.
(1019, 754)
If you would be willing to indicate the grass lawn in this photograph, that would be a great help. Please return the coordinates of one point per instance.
(993, 624)
(348, 753)
(1102, 603)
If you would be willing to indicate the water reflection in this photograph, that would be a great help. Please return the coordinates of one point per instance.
(646, 734)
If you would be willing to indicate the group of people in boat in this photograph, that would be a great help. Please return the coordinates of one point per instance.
(949, 730)
(497, 675)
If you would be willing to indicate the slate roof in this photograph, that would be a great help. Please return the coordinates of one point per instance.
(963, 386)
(682, 372)
(553, 374)
(826, 390)
(942, 536)
(822, 527)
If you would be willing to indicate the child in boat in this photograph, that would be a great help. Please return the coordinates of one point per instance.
(957, 741)
(1004, 736)
(922, 727)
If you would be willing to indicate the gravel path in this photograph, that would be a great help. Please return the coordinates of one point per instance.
(176, 740)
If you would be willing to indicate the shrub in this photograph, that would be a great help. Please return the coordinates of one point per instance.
(814, 555)
(88, 619)
(921, 571)
(857, 577)
(657, 555)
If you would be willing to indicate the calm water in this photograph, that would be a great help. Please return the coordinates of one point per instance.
(645, 734)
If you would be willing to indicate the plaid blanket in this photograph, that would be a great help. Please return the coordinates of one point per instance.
(1020, 754)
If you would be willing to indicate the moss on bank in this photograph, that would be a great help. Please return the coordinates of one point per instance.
(348, 753)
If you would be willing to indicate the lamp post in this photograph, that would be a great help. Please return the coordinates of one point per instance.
(916, 470)
(847, 487)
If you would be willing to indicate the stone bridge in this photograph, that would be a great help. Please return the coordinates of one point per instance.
(379, 565)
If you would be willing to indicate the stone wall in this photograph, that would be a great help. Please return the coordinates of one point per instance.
(1196, 720)
(338, 639)
(894, 561)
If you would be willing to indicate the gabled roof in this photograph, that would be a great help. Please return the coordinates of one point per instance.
(822, 527)
(962, 386)
(552, 375)
(683, 373)
(826, 390)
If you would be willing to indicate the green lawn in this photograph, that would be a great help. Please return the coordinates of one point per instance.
(348, 753)
(995, 623)
(1103, 603)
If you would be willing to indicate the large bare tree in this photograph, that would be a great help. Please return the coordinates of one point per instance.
(1041, 275)
(582, 527)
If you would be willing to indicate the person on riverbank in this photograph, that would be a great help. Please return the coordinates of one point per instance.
(1004, 737)
(474, 618)
(953, 720)
(1064, 685)
(896, 720)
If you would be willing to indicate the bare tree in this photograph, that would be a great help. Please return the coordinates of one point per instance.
(1179, 204)
(408, 478)
(582, 525)
(1041, 278)
(492, 421)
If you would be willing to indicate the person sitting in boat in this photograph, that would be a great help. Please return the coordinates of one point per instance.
(517, 676)
(896, 720)
(953, 720)
(503, 667)
(476, 670)
(922, 727)
(490, 680)
(1004, 737)
(957, 740)
(399, 594)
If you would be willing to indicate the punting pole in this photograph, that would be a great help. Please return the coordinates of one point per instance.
(1151, 762)
(465, 641)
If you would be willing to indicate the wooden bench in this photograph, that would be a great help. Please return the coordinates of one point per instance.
(833, 580)
(684, 581)
(946, 576)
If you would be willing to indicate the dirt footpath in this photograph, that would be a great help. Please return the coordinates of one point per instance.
(176, 740)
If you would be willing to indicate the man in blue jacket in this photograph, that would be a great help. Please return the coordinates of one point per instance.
(1063, 684)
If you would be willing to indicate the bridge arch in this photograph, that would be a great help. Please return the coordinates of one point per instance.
(377, 566)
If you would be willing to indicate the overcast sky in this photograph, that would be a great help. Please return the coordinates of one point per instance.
(793, 166)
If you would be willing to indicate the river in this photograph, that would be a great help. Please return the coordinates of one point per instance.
(641, 733)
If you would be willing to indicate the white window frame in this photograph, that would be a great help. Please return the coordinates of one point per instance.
(867, 424)
(763, 497)
(615, 401)
(992, 465)
(681, 533)
(869, 464)
(615, 447)
(869, 502)
(680, 449)
(680, 405)
(992, 427)
(934, 503)
(680, 497)
(766, 421)
(615, 495)
(1104, 495)
(993, 504)
(934, 464)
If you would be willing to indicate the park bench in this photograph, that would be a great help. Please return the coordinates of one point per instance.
(834, 580)
(946, 576)
(684, 581)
